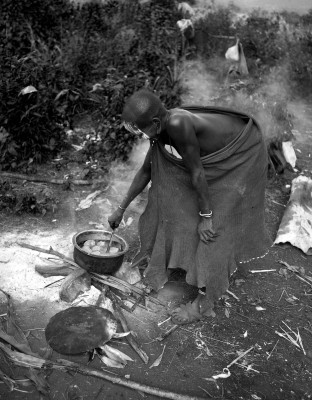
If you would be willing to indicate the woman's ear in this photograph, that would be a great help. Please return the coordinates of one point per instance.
(156, 121)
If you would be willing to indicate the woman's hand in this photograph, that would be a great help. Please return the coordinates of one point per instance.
(205, 230)
(115, 219)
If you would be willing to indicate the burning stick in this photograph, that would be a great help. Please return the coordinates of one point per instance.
(105, 279)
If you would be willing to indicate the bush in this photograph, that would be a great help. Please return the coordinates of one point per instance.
(79, 60)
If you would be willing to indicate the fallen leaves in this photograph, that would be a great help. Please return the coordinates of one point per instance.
(158, 359)
(114, 358)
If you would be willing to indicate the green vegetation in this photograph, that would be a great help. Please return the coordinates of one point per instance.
(80, 63)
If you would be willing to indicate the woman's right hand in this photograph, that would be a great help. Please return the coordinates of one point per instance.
(115, 219)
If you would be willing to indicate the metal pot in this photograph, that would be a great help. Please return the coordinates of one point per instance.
(100, 264)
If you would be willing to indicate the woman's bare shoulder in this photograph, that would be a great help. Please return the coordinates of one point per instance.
(178, 118)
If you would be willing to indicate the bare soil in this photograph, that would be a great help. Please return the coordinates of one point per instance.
(274, 369)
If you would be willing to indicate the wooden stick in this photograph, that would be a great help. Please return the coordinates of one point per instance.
(32, 178)
(239, 357)
(167, 333)
(112, 281)
(50, 251)
(65, 365)
(110, 242)
(105, 279)
(49, 270)
(19, 346)
(124, 324)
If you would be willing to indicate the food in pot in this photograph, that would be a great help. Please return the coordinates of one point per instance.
(99, 247)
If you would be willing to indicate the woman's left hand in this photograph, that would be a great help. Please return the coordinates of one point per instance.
(205, 230)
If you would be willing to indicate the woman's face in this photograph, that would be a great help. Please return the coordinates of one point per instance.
(149, 132)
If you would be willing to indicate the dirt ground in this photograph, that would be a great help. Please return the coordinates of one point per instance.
(274, 368)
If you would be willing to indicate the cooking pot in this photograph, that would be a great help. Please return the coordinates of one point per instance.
(101, 264)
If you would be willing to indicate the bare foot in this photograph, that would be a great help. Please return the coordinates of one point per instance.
(187, 313)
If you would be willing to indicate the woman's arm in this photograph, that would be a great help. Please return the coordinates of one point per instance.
(182, 132)
(140, 181)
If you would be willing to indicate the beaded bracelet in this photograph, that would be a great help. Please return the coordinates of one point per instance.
(208, 215)
(123, 209)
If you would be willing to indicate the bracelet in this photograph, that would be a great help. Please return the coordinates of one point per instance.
(123, 209)
(208, 215)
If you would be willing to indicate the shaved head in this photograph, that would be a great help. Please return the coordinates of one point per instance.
(142, 107)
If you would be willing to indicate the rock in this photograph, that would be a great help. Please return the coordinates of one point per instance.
(74, 284)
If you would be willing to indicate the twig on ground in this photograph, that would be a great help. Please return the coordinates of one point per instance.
(308, 330)
(256, 271)
(296, 340)
(299, 274)
(50, 284)
(273, 349)
(162, 322)
(239, 357)
(208, 337)
(164, 335)
(233, 295)
(281, 295)
(206, 391)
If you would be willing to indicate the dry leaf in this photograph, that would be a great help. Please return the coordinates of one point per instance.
(158, 359)
(111, 363)
(115, 354)
(292, 300)
(227, 313)
(86, 203)
(28, 89)
(119, 335)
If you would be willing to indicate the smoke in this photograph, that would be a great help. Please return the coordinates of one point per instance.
(269, 98)
(121, 174)
(120, 177)
(200, 85)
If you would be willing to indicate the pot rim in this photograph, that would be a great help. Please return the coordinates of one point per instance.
(120, 253)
